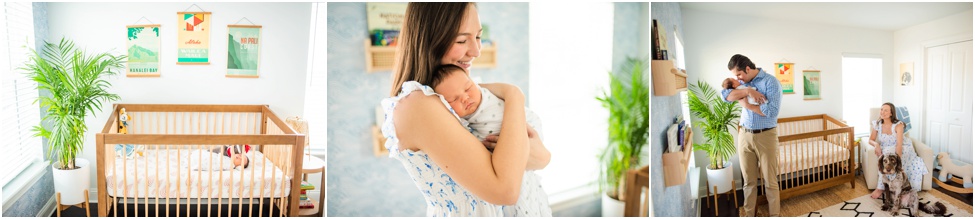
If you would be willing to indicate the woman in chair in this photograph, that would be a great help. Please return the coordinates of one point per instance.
(887, 137)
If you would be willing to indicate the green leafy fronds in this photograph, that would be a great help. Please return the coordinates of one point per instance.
(628, 102)
(76, 88)
(717, 118)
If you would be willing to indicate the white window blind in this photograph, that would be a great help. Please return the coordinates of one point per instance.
(574, 121)
(18, 112)
(315, 92)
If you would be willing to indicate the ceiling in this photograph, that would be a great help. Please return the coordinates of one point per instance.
(872, 15)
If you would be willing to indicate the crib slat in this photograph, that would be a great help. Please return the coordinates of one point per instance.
(144, 155)
(157, 178)
(220, 191)
(168, 187)
(210, 180)
(125, 182)
(179, 182)
(250, 208)
(199, 181)
(260, 210)
(135, 199)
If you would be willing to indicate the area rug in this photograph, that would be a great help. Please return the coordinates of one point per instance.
(864, 206)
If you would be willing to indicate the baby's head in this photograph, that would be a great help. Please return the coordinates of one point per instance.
(240, 160)
(730, 83)
(457, 88)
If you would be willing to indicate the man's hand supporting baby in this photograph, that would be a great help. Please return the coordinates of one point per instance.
(742, 97)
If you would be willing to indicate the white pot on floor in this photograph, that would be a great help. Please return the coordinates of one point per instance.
(612, 207)
(72, 183)
(721, 178)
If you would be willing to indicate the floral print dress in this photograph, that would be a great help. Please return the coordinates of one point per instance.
(443, 196)
(913, 165)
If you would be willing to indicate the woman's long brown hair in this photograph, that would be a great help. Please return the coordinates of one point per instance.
(429, 29)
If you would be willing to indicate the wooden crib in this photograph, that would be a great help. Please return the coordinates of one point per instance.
(160, 172)
(815, 152)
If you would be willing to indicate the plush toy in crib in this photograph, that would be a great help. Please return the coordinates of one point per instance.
(123, 128)
(948, 166)
(127, 151)
(123, 122)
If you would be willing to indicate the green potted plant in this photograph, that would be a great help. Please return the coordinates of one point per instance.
(716, 118)
(628, 102)
(76, 89)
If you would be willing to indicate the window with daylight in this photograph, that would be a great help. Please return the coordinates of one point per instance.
(574, 121)
(18, 112)
(315, 104)
(861, 76)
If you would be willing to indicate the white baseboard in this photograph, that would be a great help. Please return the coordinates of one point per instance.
(48, 208)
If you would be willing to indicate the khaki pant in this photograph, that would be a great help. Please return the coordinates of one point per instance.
(758, 155)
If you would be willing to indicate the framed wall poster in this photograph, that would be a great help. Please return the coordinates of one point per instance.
(143, 51)
(243, 50)
(811, 85)
(907, 74)
(385, 15)
(784, 72)
(193, 38)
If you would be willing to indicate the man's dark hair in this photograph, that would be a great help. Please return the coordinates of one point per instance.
(739, 61)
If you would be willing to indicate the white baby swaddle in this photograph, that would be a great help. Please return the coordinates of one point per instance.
(486, 120)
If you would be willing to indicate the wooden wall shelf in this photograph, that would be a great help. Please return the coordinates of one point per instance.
(378, 143)
(381, 58)
(675, 164)
(667, 79)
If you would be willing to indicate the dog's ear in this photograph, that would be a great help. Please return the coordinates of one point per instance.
(898, 165)
(880, 163)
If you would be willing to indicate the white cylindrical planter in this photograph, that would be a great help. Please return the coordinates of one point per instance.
(721, 178)
(612, 207)
(72, 183)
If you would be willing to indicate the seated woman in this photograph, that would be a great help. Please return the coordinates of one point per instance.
(887, 137)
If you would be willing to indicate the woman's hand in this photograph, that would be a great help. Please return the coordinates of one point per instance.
(503, 90)
(876, 148)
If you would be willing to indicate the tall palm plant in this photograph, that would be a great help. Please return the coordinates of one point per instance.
(717, 117)
(74, 80)
(628, 103)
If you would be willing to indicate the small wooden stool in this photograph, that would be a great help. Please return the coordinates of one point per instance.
(733, 191)
(80, 205)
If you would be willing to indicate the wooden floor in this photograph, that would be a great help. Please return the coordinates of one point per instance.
(802, 204)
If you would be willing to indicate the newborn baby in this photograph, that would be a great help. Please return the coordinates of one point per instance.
(484, 111)
(233, 157)
(731, 83)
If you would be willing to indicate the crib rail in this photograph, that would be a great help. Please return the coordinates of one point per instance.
(182, 128)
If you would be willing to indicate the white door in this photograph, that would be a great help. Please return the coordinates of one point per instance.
(948, 100)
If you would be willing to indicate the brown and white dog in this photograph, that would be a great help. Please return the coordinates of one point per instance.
(899, 193)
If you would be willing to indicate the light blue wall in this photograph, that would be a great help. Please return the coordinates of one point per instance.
(674, 201)
(360, 184)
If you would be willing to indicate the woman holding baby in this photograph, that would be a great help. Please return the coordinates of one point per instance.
(456, 172)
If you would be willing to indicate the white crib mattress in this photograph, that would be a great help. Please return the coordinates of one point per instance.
(796, 156)
(192, 183)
